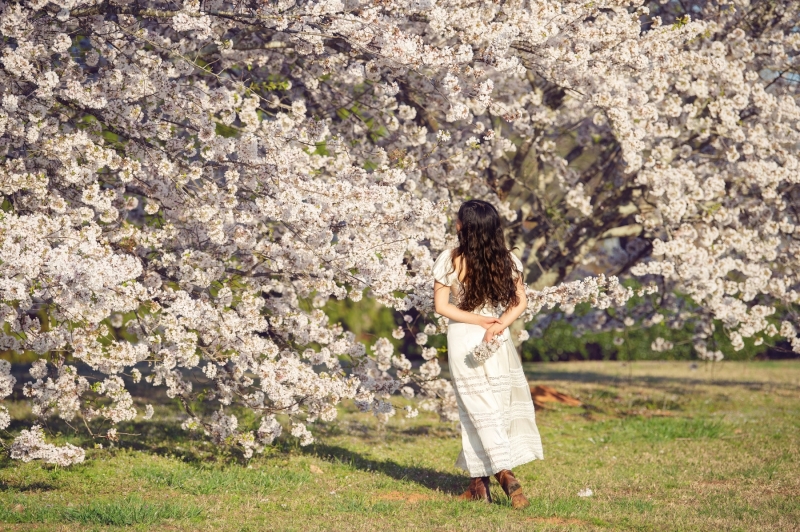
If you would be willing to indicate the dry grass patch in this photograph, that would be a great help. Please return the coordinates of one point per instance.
(411, 498)
(557, 521)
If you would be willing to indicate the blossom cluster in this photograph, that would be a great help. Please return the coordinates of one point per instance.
(485, 350)
(600, 292)
(30, 445)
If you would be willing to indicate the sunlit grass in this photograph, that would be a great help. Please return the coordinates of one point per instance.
(126, 511)
(663, 446)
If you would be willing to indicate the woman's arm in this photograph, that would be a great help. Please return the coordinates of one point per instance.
(442, 305)
(511, 314)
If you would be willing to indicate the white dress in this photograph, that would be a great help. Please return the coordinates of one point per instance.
(498, 424)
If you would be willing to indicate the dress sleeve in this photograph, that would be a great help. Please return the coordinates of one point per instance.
(443, 268)
(517, 262)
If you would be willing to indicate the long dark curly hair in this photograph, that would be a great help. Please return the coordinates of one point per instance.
(489, 277)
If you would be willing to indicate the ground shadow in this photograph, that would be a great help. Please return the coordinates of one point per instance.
(167, 438)
(30, 486)
(155, 437)
(429, 478)
(542, 375)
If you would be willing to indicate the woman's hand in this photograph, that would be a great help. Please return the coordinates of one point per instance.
(488, 321)
(493, 331)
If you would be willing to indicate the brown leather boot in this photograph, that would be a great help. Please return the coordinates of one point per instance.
(511, 486)
(478, 490)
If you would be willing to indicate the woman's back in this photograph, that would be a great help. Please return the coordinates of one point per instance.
(453, 272)
(487, 272)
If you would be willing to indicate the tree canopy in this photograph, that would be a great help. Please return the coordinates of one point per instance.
(181, 179)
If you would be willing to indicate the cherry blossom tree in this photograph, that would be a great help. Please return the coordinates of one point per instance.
(184, 189)
(690, 161)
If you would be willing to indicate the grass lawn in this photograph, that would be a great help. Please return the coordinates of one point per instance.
(661, 445)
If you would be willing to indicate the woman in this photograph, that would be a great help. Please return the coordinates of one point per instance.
(478, 287)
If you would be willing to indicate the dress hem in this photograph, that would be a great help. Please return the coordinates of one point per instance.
(491, 471)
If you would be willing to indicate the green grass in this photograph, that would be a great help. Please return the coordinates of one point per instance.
(656, 429)
(126, 511)
(196, 481)
(662, 446)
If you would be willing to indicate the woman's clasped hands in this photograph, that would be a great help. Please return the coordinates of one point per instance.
(493, 327)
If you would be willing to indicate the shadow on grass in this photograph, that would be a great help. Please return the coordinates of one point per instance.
(429, 478)
(536, 374)
(167, 438)
(31, 486)
(163, 438)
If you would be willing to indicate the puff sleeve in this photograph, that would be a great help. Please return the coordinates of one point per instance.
(443, 268)
(517, 262)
